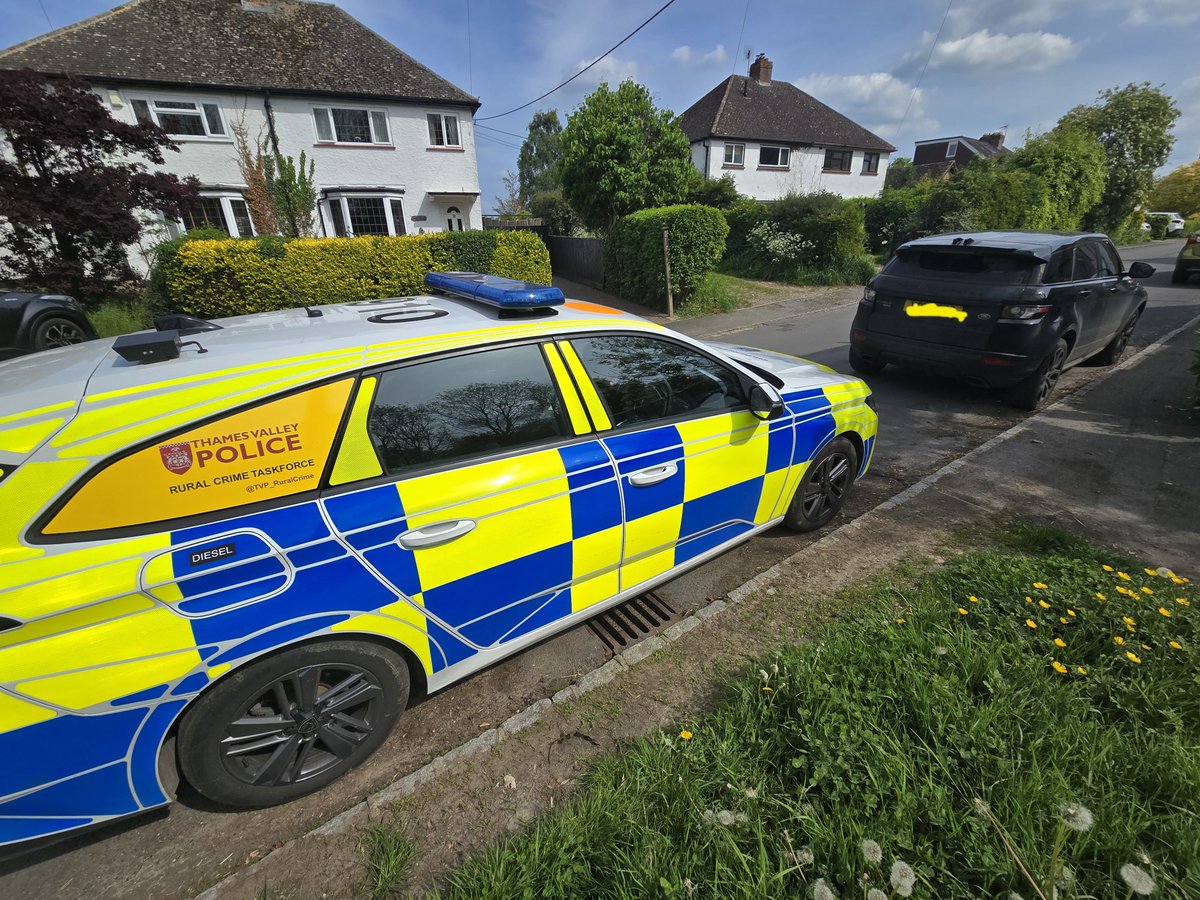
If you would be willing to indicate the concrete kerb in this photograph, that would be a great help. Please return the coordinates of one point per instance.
(646, 648)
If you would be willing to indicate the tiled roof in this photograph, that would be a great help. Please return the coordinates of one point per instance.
(278, 45)
(741, 107)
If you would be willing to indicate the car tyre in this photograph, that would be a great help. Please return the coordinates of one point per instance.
(864, 366)
(1033, 391)
(290, 724)
(1179, 276)
(57, 331)
(1115, 349)
(826, 484)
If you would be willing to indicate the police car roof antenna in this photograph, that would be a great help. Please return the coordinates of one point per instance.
(312, 313)
(197, 343)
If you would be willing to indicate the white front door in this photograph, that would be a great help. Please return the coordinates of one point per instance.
(454, 219)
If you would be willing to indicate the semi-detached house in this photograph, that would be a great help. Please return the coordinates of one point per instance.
(392, 142)
(775, 140)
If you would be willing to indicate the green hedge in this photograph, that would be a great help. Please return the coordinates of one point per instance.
(633, 252)
(1159, 226)
(230, 277)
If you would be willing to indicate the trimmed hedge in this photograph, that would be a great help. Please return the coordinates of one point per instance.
(231, 277)
(633, 252)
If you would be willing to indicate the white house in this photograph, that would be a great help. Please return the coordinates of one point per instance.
(392, 142)
(774, 139)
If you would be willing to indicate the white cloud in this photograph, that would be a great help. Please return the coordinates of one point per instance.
(609, 69)
(969, 16)
(1163, 12)
(1030, 51)
(876, 100)
(689, 57)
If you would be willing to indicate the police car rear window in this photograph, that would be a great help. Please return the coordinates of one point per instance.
(272, 450)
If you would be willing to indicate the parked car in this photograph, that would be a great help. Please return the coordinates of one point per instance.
(266, 539)
(1188, 261)
(30, 322)
(1175, 222)
(1005, 310)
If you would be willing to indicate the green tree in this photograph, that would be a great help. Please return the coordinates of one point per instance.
(537, 163)
(293, 192)
(620, 154)
(1070, 163)
(900, 173)
(1133, 125)
(719, 193)
(1178, 191)
(552, 208)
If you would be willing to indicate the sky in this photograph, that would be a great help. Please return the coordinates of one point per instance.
(997, 64)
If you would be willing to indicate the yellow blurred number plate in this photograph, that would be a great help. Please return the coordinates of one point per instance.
(918, 310)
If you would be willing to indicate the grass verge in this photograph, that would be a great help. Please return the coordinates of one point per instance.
(389, 858)
(116, 317)
(1023, 709)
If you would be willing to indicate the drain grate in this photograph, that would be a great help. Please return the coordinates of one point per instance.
(633, 620)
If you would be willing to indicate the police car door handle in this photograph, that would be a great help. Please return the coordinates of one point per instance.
(432, 535)
(653, 475)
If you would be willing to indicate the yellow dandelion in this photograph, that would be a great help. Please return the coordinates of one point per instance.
(1043, 604)
(1059, 642)
(1145, 646)
(901, 620)
(1039, 585)
(1175, 579)
(1100, 596)
(973, 599)
(1028, 599)
(1127, 620)
(1177, 645)
(1151, 572)
(1163, 611)
(1183, 601)
(1133, 657)
(1081, 670)
(1118, 640)
(1030, 623)
(686, 735)
(961, 611)
(1071, 612)
(1123, 576)
(1107, 568)
(767, 689)
(1130, 628)
(1058, 667)
(1063, 619)
(1147, 590)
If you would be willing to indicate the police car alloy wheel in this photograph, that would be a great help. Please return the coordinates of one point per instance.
(824, 487)
(291, 724)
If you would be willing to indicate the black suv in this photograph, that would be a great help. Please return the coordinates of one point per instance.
(30, 322)
(1000, 309)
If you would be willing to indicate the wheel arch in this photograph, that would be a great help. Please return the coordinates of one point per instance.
(36, 313)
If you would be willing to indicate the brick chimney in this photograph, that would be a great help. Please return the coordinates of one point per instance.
(995, 138)
(760, 69)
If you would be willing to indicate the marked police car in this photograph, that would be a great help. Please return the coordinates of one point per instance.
(267, 536)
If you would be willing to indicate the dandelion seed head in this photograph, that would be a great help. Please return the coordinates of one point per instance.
(822, 891)
(726, 818)
(741, 818)
(774, 668)
(940, 651)
(981, 806)
(903, 878)
(1076, 816)
(762, 673)
(1066, 878)
(708, 816)
(1142, 857)
(751, 793)
(872, 852)
(876, 894)
(804, 856)
(1137, 879)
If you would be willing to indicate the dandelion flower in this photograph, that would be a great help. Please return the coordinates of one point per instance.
(1028, 599)
(973, 599)
(767, 689)
(1145, 646)
(1133, 657)
(963, 612)
(872, 852)
(900, 621)
(726, 818)
(1163, 611)
(1130, 628)
(1128, 620)
(1123, 576)
(1183, 601)
(1039, 585)
(1107, 568)
(1151, 572)
(686, 735)
(876, 894)
(1076, 816)
(1100, 596)
(1063, 619)
(804, 856)
(903, 878)
(1137, 879)
(1070, 612)
(1081, 670)
(1177, 645)
(1030, 623)
(1118, 640)
(1059, 642)
(1058, 667)
(1146, 590)
(822, 891)
(1043, 604)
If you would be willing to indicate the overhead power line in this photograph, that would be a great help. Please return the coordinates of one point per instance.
(741, 34)
(916, 86)
(581, 71)
(502, 131)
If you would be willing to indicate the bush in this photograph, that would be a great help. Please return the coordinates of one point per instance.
(633, 263)
(115, 317)
(1191, 224)
(1159, 225)
(553, 209)
(228, 277)
(719, 193)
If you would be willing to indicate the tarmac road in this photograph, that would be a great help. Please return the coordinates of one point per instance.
(925, 423)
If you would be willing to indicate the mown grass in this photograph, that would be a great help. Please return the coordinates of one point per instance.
(889, 727)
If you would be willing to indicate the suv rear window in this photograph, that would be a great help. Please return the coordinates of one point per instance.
(959, 265)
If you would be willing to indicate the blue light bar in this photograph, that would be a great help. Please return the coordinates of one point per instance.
(504, 293)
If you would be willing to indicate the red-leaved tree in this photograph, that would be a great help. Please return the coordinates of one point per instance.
(73, 181)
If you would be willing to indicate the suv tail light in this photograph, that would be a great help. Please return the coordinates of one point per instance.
(1023, 313)
(868, 297)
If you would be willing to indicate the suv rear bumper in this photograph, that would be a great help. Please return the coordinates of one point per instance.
(999, 370)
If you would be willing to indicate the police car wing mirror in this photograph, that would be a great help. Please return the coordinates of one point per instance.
(766, 402)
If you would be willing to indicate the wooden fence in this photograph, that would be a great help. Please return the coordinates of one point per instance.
(577, 259)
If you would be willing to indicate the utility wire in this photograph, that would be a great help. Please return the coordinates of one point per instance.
(501, 142)
(502, 131)
(661, 9)
(741, 34)
(916, 86)
(46, 14)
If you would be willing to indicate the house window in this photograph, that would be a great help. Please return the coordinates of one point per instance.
(443, 130)
(358, 215)
(340, 125)
(775, 157)
(181, 118)
(734, 154)
(870, 164)
(951, 149)
(227, 212)
(838, 160)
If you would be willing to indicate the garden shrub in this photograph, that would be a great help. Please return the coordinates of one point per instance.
(1191, 224)
(633, 263)
(227, 277)
(1159, 225)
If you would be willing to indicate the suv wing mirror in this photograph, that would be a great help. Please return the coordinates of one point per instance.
(1140, 270)
(765, 401)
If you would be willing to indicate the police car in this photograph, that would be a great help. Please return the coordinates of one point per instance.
(266, 536)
